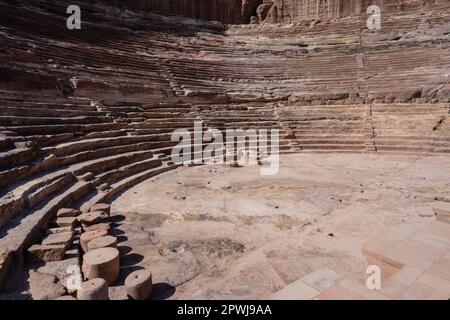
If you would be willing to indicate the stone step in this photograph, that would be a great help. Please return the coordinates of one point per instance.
(47, 113)
(24, 230)
(124, 184)
(105, 152)
(10, 176)
(348, 141)
(68, 148)
(17, 194)
(17, 156)
(124, 171)
(47, 140)
(33, 121)
(30, 130)
(107, 163)
(336, 146)
(27, 197)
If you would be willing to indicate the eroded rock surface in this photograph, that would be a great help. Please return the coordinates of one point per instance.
(219, 232)
(88, 115)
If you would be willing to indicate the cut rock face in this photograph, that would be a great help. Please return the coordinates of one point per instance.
(66, 212)
(63, 238)
(102, 263)
(47, 252)
(67, 222)
(99, 226)
(101, 207)
(59, 230)
(95, 289)
(139, 285)
(44, 286)
(102, 242)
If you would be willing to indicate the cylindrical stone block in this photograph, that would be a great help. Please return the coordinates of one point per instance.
(67, 212)
(86, 237)
(102, 263)
(95, 289)
(139, 284)
(102, 242)
(94, 227)
(91, 218)
(101, 207)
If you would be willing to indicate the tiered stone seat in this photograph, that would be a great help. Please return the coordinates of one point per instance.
(328, 87)
(63, 171)
(369, 62)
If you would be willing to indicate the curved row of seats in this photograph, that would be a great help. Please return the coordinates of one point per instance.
(330, 87)
(338, 58)
(63, 154)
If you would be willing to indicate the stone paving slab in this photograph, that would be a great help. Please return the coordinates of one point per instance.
(297, 290)
(424, 260)
(322, 279)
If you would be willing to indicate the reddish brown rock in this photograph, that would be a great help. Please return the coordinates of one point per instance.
(91, 218)
(118, 293)
(44, 286)
(99, 226)
(101, 207)
(66, 212)
(139, 285)
(102, 242)
(94, 289)
(86, 237)
(59, 230)
(102, 263)
(230, 11)
(47, 252)
(70, 222)
(63, 238)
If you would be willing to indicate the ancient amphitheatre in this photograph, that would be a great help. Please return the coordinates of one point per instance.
(86, 120)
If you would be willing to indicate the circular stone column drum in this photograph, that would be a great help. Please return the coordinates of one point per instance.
(102, 242)
(139, 285)
(102, 263)
(88, 236)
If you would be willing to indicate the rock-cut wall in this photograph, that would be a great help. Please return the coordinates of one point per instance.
(241, 11)
(269, 11)
(226, 11)
(275, 11)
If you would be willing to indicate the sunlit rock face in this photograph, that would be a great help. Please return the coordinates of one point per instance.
(226, 11)
(276, 11)
(240, 11)
(268, 11)
(91, 117)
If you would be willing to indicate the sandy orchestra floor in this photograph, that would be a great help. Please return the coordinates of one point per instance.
(221, 232)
